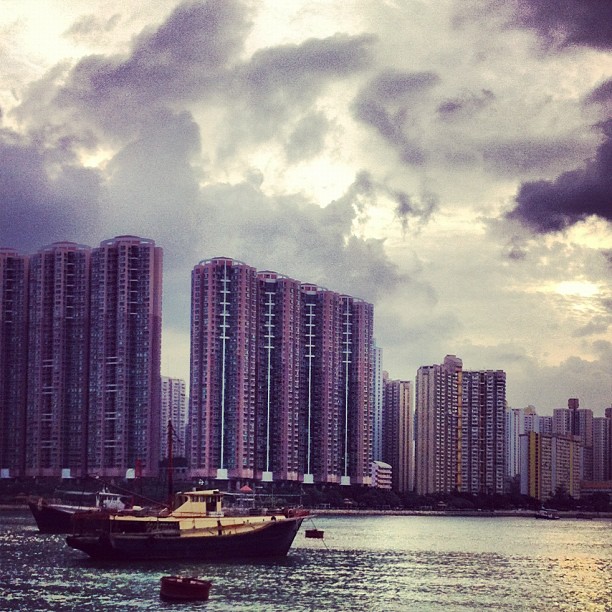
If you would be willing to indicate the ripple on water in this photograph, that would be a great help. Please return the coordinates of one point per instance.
(374, 564)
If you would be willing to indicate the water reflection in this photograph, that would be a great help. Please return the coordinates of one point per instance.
(366, 563)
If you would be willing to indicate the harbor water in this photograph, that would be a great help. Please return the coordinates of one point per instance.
(364, 563)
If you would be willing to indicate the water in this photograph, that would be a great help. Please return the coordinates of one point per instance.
(383, 563)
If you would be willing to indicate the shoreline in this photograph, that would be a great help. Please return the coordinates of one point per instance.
(568, 514)
(563, 514)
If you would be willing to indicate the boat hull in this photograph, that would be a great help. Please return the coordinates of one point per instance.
(50, 519)
(175, 588)
(57, 516)
(552, 517)
(272, 540)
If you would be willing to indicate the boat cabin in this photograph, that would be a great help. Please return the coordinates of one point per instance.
(111, 501)
(203, 503)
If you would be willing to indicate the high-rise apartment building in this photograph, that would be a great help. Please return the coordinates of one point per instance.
(13, 361)
(544, 425)
(437, 408)
(281, 378)
(460, 429)
(356, 387)
(174, 411)
(83, 327)
(278, 377)
(522, 421)
(58, 361)
(377, 405)
(563, 422)
(398, 445)
(549, 462)
(515, 427)
(320, 392)
(534, 422)
(602, 449)
(584, 432)
(483, 432)
(519, 422)
(125, 355)
(223, 392)
(577, 422)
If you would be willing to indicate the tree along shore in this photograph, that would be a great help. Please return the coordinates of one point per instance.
(466, 513)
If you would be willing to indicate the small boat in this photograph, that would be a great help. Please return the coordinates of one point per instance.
(179, 588)
(315, 533)
(197, 530)
(547, 515)
(55, 515)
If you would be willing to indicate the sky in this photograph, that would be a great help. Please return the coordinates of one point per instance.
(449, 161)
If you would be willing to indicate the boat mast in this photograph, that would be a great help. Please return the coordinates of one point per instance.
(170, 466)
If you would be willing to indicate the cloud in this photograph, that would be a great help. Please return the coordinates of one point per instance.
(530, 381)
(560, 24)
(89, 26)
(512, 157)
(418, 131)
(466, 104)
(154, 182)
(186, 58)
(44, 195)
(565, 23)
(516, 249)
(153, 185)
(278, 86)
(308, 137)
(601, 94)
(295, 237)
(597, 326)
(385, 104)
(194, 59)
(549, 206)
(601, 98)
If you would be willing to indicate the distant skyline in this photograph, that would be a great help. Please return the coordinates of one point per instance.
(449, 162)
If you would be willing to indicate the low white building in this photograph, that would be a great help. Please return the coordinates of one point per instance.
(381, 475)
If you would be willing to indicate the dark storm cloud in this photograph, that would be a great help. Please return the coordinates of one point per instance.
(185, 58)
(44, 195)
(601, 94)
(153, 185)
(564, 23)
(548, 206)
(385, 104)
